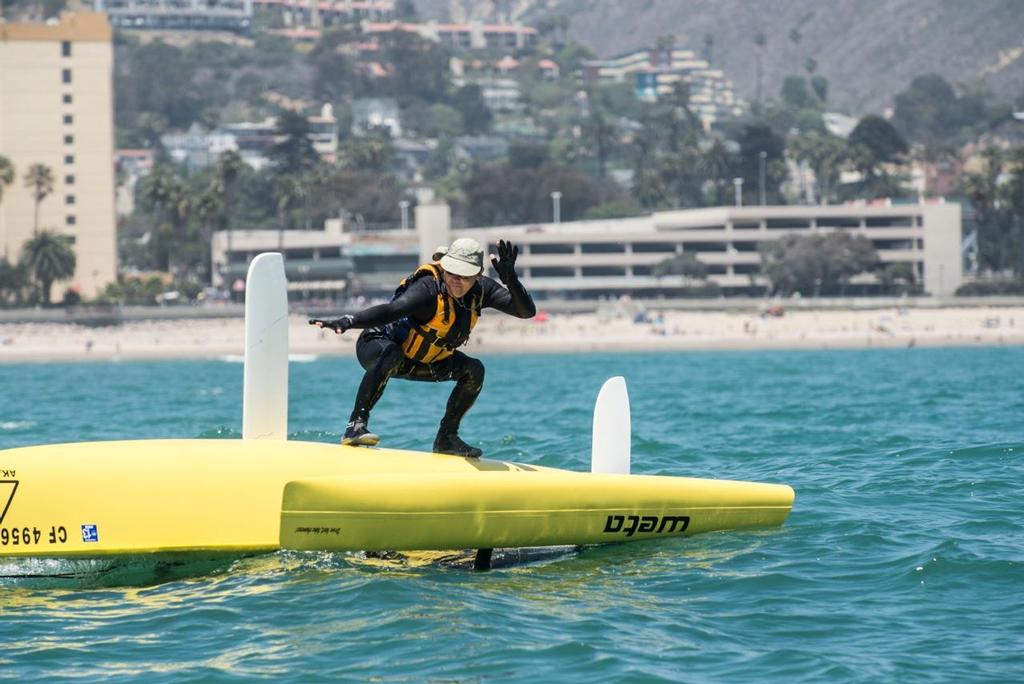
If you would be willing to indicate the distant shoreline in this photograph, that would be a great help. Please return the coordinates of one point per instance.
(102, 315)
(620, 327)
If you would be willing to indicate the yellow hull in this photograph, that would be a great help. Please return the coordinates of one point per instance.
(130, 497)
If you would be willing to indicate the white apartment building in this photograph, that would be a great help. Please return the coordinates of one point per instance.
(178, 15)
(655, 73)
(56, 109)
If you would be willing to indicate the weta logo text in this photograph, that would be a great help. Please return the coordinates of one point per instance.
(646, 523)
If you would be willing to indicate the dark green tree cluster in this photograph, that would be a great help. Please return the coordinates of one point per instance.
(997, 197)
(932, 113)
(519, 190)
(817, 264)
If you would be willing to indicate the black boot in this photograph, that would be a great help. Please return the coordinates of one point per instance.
(357, 434)
(451, 443)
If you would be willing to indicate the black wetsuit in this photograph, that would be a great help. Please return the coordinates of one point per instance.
(379, 348)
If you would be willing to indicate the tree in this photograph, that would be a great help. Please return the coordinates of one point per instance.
(162, 194)
(12, 281)
(209, 211)
(421, 70)
(816, 264)
(39, 179)
(469, 101)
(49, 257)
(825, 154)
(227, 171)
(716, 166)
(882, 141)
(502, 194)
(6, 174)
(873, 143)
(294, 153)
(601, 135)
(371, 153)
(796, 94)
(999, 211)
(755, 139)
(760, 41)
(683, 264)
(334, 75)
(929, 111)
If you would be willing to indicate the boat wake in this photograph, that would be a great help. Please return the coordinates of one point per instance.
(134, 570)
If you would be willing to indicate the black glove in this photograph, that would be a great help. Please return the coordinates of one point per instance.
(505, 263)
(338, 325)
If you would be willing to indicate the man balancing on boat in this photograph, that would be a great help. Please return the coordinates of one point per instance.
(417, 334)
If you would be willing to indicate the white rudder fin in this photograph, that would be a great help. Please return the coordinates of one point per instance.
(265, 389)
(610, 451)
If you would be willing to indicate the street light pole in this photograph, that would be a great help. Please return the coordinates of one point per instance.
(556, 208)
(404, 206)
(738, 183)
(762, 160)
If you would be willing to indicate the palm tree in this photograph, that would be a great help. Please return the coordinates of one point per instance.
(288, 192)
(6, 174)
(157, 190)
(39, 178)
(601, 134)
(209, 209)
(760, 40)
(48, 256)
(226, 173)
(716, 165)
(179, 210)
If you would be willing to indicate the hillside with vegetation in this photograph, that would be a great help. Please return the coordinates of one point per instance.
(869, 50)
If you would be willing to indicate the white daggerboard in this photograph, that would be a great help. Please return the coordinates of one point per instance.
(610, 449)
(265, 389)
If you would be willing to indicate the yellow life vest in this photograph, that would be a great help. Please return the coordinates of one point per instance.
(439, 337)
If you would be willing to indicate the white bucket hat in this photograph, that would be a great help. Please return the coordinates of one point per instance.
(464, 257)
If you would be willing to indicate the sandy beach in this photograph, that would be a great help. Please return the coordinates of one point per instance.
(610, 330)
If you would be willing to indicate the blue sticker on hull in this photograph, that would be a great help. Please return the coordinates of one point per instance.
(90, 533)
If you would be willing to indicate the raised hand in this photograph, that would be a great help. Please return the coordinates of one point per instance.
(338, 325)
(505, 262)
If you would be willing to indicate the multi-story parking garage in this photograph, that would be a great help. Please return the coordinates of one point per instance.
(590, 259)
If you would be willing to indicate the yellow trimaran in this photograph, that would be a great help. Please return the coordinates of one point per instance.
(262, 492)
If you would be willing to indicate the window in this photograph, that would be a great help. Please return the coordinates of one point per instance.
(889, 222)
(68, 119)
(654, 247)
(69, 180)
(602, 248)
(705, 247)
(69, 140)
(69, 159)
(66, 75)
(551, 249)
(69, 199)
(552, 272)
(67, 98)
(70, 219)
(603, 270)
(65, 48)
(788, 224)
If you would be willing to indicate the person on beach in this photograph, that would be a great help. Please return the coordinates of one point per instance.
(417, 334)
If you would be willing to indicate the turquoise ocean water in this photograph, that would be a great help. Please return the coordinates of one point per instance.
(903, 559)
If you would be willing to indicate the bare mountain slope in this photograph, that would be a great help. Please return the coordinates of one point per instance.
(868, 49)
